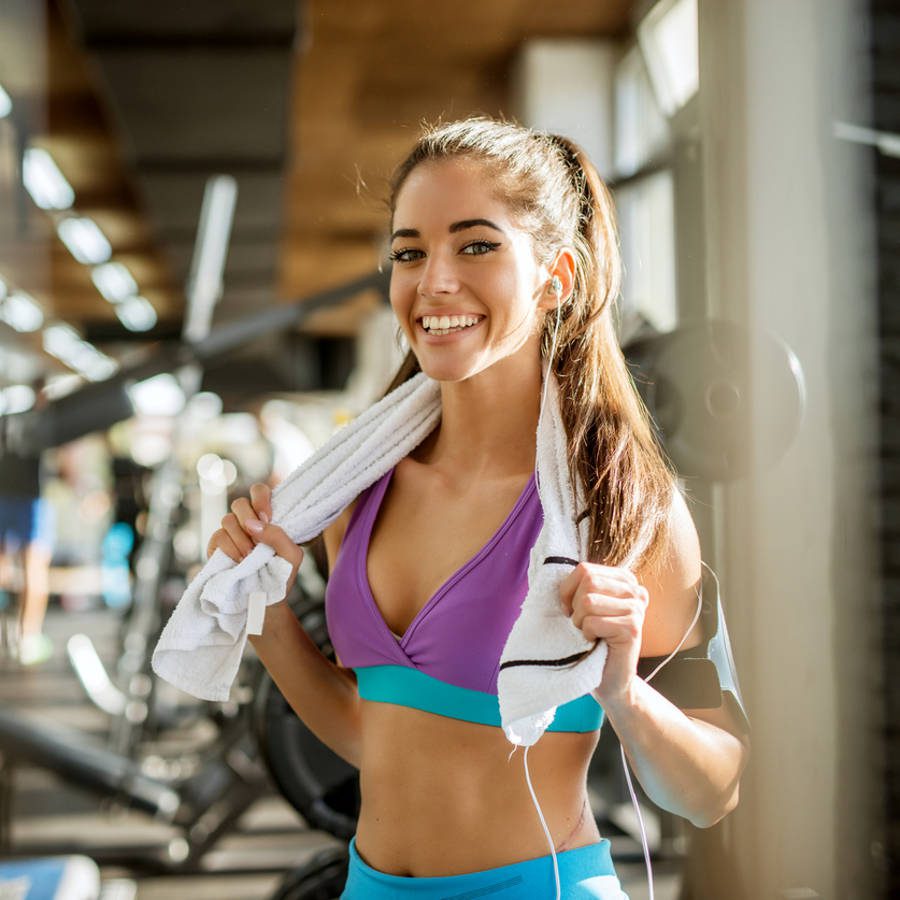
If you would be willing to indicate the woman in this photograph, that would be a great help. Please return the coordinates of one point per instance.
(504, 249)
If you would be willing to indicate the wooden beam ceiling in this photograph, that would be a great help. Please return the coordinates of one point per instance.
(366, 75)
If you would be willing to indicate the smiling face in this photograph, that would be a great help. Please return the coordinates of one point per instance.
(465, 285)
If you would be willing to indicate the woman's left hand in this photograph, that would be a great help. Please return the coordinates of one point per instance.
(608, 602)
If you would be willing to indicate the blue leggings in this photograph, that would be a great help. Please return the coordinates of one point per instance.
(585, 873)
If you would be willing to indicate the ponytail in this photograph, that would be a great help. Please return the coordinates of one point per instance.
(611, 443)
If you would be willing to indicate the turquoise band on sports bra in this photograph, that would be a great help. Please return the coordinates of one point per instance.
(405, 686)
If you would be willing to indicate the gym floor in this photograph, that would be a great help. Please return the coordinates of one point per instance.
(50, 816)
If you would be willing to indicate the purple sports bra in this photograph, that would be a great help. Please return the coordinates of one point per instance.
(459, 635)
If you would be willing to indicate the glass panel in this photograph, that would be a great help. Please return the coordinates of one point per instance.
(668, 39)
(647, 231)
(641, 131)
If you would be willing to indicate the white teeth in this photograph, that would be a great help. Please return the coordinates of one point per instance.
(442, 324)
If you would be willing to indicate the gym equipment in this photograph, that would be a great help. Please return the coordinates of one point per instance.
(698, 383)
(202, 804)
(318, 783)
(129, 694)
(154, 555)
(98, 406)
(322, 878)
(202, 796)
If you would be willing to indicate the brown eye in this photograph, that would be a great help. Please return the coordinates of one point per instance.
(479, 248)
(405, 254)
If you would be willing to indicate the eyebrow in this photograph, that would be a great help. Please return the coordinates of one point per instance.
(456, 226)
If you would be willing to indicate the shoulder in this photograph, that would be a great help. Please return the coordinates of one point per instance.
(333, 535)
(672, 582)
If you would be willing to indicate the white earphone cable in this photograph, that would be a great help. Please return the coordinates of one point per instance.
(534, 798)
(644, 843)
(634, 801)
(537, 806)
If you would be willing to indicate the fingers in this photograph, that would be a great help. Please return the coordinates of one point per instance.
(231, 539)
(599, 572)
(248, 524)
(604, 605)
(220, 540)
(241, 540)
(261, 501)
(283, 546)
(246, 516)
(588, 578)
(605, 602)
(614, 630)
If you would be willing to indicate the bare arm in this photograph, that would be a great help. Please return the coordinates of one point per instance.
(688, 761)
(322, 694)
(689, 764)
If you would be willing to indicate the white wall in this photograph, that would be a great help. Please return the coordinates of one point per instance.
(566, 86)
(786, 237)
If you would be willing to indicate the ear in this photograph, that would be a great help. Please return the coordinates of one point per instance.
(563, 267)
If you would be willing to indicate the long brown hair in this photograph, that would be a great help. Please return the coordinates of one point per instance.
(559, 198)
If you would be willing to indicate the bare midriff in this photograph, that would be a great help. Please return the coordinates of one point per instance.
(442, 796)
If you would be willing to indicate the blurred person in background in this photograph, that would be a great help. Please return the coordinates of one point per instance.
(81, 494)
(26, 544)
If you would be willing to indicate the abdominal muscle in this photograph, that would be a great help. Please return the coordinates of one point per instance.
(443, 797)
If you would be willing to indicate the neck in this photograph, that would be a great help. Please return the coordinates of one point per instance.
(488, 422)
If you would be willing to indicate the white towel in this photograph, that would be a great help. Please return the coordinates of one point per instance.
(201, 646)
(547, 661)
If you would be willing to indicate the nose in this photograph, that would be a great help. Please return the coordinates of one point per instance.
(438, 276)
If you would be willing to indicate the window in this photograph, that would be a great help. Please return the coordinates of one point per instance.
(646, 228)
(641, 131)
(668, 39)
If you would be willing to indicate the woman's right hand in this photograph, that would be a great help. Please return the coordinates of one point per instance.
(249, 524)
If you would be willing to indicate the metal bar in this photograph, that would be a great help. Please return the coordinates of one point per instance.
(35, 431)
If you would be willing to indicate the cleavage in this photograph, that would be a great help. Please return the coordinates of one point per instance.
(417, 547)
